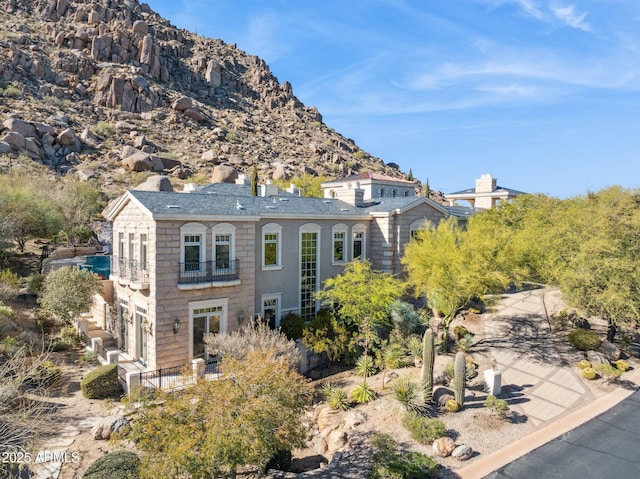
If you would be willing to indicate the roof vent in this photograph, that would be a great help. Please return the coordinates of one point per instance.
(239, 205)
(174, 206)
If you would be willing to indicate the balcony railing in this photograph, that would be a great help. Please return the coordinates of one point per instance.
(130, 269)
(208, 272)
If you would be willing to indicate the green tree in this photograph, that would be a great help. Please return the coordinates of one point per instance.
(254, 180)
(254, 410)
(309, 185)
(67, 292)
(449, 269)
(363, 298)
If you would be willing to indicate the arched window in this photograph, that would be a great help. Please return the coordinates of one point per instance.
(223, 246)
(272, 246)
(339, 235)
(382, 192)
(394, 192)
(358, 246)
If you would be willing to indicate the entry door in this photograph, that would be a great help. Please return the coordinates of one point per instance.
(205, 320)
(142, 324)
(123, 327)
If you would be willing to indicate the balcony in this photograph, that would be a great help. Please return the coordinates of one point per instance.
(209, 273)
(130, 272)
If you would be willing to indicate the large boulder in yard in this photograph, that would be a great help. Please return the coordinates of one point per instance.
(328, 418)
(444, 446)
(108, 425)
(155, 183)
(610, 350)
(462, 452)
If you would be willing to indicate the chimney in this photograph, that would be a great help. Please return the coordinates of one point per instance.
(486, 184)
(351, 193)
(243, 180)
(268, 189)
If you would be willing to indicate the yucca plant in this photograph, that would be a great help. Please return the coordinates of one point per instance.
(407, 392)
(365, 366)
(363, 393)
(338, 399)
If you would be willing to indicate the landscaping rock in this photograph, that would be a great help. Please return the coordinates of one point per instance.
(336, 440)
(462, 452)
(354, 418)
(155, 183)
(444, 446)
(610, 350)
(104, 428)
(328, 418)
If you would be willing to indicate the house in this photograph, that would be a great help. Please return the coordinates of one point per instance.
(485, 195)
(210, 258)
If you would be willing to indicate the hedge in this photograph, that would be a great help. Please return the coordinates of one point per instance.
(101, 382)
(115, 465)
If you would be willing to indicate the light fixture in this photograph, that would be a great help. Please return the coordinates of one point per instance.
(176, 325)
(241, 316)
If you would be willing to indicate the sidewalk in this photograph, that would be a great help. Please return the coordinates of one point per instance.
(537, 377)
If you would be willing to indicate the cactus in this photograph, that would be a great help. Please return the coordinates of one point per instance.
(428, 358)
(460, 378)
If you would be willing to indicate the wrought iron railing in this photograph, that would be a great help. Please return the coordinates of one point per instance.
(208, 271)
(130, 269)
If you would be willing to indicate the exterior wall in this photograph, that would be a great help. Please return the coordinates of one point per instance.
(286, 279)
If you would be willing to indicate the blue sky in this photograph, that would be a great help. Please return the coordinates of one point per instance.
(542, 94)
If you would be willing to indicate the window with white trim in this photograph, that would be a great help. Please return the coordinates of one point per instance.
(309, 269)
(419, 225)
(143, 332)
(223, 246)
(358, 234)
(193, 254)
(271, 246)
(271, 309)
(206, 317)
(144, 252)
(339, 250)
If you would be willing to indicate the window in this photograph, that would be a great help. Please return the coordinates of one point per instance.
(121, 244)
(144, 252)
(407, 193)
(123, 329)
(339, 243)
(192, 251)
(206, 317)
(309, 240)
(417, 226)
(394, 192)
(358, 241)
(271, 309)
(382, 192)
(223, 245)
(271, 252)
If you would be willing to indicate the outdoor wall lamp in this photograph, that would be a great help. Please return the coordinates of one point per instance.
(176, 325)
(240, 316)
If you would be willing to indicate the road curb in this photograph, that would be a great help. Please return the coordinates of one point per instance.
(491, 462)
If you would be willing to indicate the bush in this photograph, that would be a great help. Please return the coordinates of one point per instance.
(423, 429)
(584, 339)
(407, 392)
(104, 129)
(499, 406)
(46, 375)
(9, 346)
(292, 325)
(460, 331)
(363, 393)
(90, 356)
(389, 464)
(101, 382)
(67, 338)
(114, 465)
(393, 356)
(364, 366)
(35, 283)
(10, 284)
(607, 370)
(338, 398)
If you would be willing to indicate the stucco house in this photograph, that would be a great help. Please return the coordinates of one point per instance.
(209, 258)
(486, 194)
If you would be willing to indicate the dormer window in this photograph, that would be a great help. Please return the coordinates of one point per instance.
(394, 192)
(382, 192)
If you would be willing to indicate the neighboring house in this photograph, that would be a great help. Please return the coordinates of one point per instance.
(485, 195)
(206, 260)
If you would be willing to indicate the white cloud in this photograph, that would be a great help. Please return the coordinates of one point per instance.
(569, 16)
(550, 12)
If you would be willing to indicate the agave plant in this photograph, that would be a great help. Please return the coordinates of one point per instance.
(365, 366)
(363, 393)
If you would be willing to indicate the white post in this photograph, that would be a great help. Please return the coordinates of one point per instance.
(492, 382)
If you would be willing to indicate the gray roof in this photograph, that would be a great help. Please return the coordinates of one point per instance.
(499, 189)
(221, 203)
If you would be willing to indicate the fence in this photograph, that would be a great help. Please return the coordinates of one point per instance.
(177, 377)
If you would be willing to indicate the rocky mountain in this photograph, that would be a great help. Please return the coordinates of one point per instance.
(109, 89)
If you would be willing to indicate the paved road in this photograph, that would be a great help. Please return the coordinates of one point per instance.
(606, 447)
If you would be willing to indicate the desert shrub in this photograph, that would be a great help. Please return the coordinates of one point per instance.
(292, 325)
(10, 284)
(67, 338)
(449, 370)
(584, 363)
(9, 91)
(589, 373)
(363, 393)
(388, 463)
(104, 129)
(101, 382)
(338, 399)
(460, 331)
(325, 334)
(622, 365)
(393, 356)
(114, 465)
(464, 343)
(607, 370)
(500, 407)
(451, 405)
(423, 429)
(584, 339)
(35, 283)
(46, 375)
(9, 346)
(414, 345)
(90, 356)
(407, 392)
(365, 366)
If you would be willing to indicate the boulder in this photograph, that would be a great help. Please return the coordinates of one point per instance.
(140, 141)
(155, 183)
(66, 137)
(462, 452)
(214, 73)
(87, 136)
(124, 125)
(4, 148)
(224, 174)
(441, 395)
(280, 173)
(15, 140)
(140, 27)
(194, 114)
(182, 104)
(139, 161)
(444, 446)
(103, 428)
(610, 350)
(320, 446)
(128, 151)
(328, 418)
(169, 163)
(85, 175)
(21, 127)
(336, 439)
(354, 418)
(209, 156)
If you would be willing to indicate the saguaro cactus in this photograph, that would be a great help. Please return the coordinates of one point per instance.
(460, 378)
(428, 358)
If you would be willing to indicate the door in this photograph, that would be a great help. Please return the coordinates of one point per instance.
(142, 333)
(123, 327)
(205, 320)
